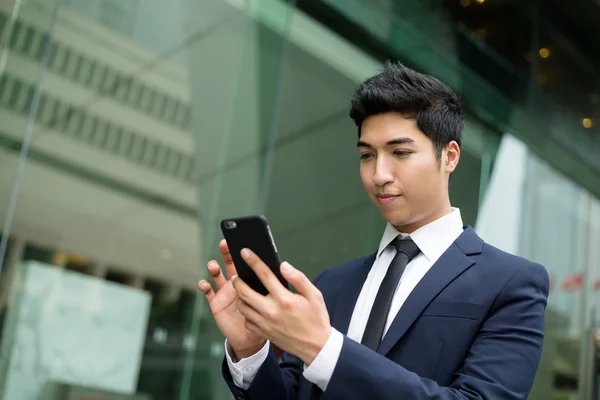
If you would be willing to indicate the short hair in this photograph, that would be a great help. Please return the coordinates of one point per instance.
(435, 107)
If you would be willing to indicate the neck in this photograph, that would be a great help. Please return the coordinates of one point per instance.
(439, 213)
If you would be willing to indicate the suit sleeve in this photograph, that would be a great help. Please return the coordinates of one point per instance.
(501, 363)
(273, 380)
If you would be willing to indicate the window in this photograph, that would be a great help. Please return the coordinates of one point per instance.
(42, 48)
(13, 99)
(55, 55)
(44, 113)
(149, 155)
(125, 144)
(100, 133)
(28, 40)
(64, 62)
(74, 121)
(88, 127)
(98, 77)
(109, 83)
(137, 150)
(159, 105)
(7, 89)
(123, 87)
(15, 35)
(75, 67)
(135, 93)
(85, 71)
(113, 137)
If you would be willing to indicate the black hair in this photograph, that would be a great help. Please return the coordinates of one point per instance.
(434, 106)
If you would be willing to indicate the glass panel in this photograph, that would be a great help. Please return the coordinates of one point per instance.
(566, 94)
(551, 233)
(500, 56)
(315, 191)
(20, 91)
(131, 122)
(560, 230)
(107, 206)
(232, 160)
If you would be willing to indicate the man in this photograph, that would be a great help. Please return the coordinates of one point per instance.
(435, 313)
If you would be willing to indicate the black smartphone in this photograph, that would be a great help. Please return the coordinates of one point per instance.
(252, 232)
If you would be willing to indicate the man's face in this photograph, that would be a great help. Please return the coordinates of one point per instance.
(401, 173)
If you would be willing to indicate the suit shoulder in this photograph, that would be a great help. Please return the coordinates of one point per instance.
(510, 264)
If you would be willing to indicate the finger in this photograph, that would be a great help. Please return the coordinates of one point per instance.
(214, 269)
(250, 313)
(206, 290)
(256, 300)
(264, 273)
(252, 327)
(299, 281)
(226, 256)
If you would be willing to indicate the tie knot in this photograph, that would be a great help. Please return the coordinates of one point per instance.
(407, 246)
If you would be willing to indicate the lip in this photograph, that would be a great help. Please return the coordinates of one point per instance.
(387, 199)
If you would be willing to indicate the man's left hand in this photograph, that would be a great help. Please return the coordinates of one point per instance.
(296, 323)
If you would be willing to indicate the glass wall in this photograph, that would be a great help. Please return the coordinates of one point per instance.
(98, 280)
(561, 230)
(130, 129)
(529, 68)
(553, 221)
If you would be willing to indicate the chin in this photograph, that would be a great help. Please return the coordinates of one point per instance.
(396, 218)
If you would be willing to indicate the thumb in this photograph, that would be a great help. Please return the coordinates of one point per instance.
(297, 279)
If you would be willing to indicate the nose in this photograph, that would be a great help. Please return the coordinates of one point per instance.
(383, 173)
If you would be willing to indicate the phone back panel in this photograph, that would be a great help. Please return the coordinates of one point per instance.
(252, 232)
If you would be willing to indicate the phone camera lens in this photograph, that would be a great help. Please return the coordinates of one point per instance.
(230, 224)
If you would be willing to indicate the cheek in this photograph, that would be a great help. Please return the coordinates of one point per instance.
(421, 178)
(366, 177)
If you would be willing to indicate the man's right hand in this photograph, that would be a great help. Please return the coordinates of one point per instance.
(224, 307)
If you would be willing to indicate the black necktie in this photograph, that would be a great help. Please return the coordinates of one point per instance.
(406, 251)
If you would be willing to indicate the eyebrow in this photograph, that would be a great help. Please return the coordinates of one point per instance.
(393, 142)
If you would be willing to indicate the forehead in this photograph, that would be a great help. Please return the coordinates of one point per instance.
(379, 129)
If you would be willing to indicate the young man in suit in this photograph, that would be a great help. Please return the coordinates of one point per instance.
(435, 313)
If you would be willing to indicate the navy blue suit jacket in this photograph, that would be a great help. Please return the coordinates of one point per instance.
(471, 329)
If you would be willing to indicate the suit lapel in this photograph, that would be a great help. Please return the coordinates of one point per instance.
(348, 294)
(450, 265)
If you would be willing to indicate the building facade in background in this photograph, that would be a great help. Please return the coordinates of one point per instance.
(146, 123)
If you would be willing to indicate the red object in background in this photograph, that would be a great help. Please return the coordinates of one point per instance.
(572, 282)
(597, 284)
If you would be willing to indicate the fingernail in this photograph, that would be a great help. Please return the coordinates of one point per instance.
(203, 285)
(233, 278)
(287, 267)
(245, 253)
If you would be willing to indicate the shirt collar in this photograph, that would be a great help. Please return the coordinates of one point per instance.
(433, 239)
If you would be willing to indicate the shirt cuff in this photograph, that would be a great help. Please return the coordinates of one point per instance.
(321, 369)
(244, 370)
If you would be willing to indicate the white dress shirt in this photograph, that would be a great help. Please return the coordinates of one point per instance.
(433, 240)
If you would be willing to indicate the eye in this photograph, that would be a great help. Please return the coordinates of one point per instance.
(365, 156)
(401, 153)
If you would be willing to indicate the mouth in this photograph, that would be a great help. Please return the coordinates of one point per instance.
(387, 199)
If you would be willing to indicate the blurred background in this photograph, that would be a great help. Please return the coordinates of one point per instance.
(130, 128)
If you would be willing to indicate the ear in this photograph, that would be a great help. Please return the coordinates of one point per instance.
(452, 155)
